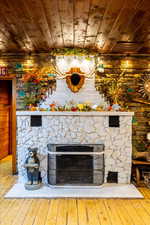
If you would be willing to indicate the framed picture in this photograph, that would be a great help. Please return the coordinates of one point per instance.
(3, 71)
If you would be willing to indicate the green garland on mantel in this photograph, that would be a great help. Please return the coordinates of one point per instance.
(73, 51)
(91, 51)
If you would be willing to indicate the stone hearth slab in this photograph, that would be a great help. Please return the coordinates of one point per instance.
(103, 191)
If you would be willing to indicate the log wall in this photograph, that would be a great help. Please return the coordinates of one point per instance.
(19, 65)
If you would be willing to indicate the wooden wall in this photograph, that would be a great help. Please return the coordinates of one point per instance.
(19, 65)
(141, 121)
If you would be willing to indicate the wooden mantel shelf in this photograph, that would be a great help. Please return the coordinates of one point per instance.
(66, 113)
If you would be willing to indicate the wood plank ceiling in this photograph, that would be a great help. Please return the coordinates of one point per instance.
(111, 26)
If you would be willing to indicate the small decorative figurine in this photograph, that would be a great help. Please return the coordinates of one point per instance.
(32, 165)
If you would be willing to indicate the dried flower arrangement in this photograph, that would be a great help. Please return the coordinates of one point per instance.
(36, 86)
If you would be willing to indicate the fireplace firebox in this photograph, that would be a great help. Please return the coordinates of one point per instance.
(75, 164)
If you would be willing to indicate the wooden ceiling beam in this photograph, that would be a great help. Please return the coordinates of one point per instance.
(139, 19)
(119, 21)
(65, 8)
(22, 18)
(53, 19)
(9, 18)
(99, 40)
(111, 13)
(127, 32)
(4, 37)
(43, 33)
(19, 20)
(109, 26)
(80, 22)
(96, 13)
(30, 25)
(120, 18)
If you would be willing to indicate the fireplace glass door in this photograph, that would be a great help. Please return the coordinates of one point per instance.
(74, 168)
(75, 165)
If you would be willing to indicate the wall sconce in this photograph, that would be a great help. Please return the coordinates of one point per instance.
(65, 63)
(29, 62)
(148, 136)
(62, 64)
(126, 64)
(3, 63)
(75, 62)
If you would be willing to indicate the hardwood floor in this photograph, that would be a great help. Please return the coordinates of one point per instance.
(69, 211)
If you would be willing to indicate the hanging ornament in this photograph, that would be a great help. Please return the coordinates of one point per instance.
(18, 66)
(21, 93)
(145, 86)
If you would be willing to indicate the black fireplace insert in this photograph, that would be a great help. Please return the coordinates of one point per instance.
(75, 164)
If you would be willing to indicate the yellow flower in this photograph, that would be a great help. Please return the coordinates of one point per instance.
(80, 106)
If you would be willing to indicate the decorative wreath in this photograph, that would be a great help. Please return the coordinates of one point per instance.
(145, 86)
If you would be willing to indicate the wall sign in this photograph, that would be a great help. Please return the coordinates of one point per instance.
(3, 71)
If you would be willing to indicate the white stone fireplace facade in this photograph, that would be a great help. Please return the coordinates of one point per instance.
(77, 128)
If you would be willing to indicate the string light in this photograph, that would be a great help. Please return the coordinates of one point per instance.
(65, 63)
(3, 63)
(148, 136)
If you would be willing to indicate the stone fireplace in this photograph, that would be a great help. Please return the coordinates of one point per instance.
(96, 143)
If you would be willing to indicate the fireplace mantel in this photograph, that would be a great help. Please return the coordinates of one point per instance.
(68, 113)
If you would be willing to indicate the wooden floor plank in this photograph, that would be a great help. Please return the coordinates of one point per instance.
(22, 213)
(122, 213)
(146, 192)
(102, 212)
(141, 211)
(70, 211)
(62, 215)
(5, 206)
(112, 213)
(82, 212)
(30, 217)
(146, 205)
(92, 215)
(42, 213)
(13, 212)
(52, 212)
(137, 220)
(142, 192)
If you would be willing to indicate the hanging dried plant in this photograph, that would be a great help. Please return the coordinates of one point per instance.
(37, 85)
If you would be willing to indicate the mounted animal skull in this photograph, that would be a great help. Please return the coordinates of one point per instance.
(74, 77)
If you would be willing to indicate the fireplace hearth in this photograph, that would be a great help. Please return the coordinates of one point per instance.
(75, 164)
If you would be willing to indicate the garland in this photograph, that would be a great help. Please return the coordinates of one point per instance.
(91, 51)
(73, 51)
